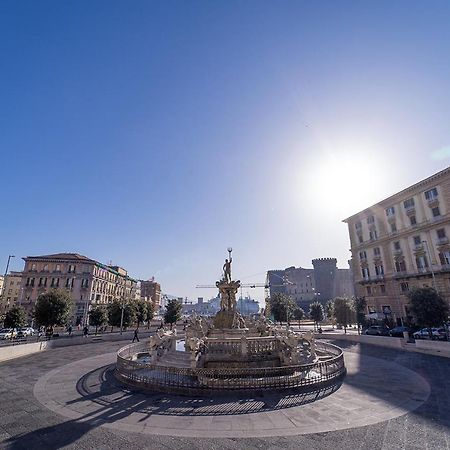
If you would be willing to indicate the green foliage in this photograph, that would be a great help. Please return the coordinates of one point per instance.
(282, 307)
(150, 312)
(359, 306)
(15, 317)
(329, 309)
(114, 311)
(299, 314)
(173, 311)
(343, 311)
(53, 308)
(428, 307)
(316, 312)
(141, 308)
(97, 317)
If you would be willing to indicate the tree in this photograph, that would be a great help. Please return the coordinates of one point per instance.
(150, 313)
(428, 308)
(282, 307)
(343, 311)
(114, 311)
(329, 311)
(97, 317)
(53, 308)
(141, 308)
(15, 317)
(316, 313)
(359, 306)
(173, 311)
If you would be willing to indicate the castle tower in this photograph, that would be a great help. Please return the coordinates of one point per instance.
(324, 276)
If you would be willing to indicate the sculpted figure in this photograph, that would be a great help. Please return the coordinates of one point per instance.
(227, 270)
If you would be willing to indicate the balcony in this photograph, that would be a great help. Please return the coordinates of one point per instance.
(433, 201)
(418, 248)
(410, 211)
(442, 241)
(398, 252)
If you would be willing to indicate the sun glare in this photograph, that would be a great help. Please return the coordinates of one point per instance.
(345, 182)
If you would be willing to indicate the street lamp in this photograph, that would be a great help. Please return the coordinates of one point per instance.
(7, 264)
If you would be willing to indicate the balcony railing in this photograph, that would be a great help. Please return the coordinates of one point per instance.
(442, 241)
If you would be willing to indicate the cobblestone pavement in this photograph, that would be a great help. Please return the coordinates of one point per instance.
(26, 423)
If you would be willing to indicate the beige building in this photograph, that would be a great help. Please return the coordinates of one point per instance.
(401, 243)
(2, 279)
(150, 289)
(11, 290)
(88, 281)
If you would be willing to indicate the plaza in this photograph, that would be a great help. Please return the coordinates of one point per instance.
(70, 399)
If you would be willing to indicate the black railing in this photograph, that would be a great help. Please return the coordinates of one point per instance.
(191, 380)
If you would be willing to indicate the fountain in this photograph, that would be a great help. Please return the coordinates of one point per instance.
(229, 353)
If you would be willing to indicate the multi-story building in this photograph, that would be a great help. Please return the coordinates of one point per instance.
(150, 289)
(88, 281)
(400, 243)
(321, 283)
(2, 279)
(11, 290)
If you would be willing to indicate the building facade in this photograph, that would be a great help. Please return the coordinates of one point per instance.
(150, 289)
(11, 291)
(402, 243)
(321, 283)
(88, 281)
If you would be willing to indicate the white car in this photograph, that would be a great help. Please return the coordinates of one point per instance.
(8, 333)
(436, 333)
(25, 331)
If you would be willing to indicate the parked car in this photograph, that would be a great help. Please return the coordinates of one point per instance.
(8, 333)
(25, 332)
(377, 330)
(398, 331)
(436, 333)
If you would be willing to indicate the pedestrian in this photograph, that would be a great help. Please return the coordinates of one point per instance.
(70, 330)
(85, 331)
(136, 337)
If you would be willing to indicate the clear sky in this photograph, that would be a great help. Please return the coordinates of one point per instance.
(157, 134)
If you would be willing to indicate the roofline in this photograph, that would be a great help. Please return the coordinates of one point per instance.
(399, 194)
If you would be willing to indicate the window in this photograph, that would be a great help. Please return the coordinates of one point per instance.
(431, 194)
(397, 245)
(376, 251)
(33, 266)
(421, 262)
(404, 286)
(417, 240)
(379, 270)
(400, 266)
(55, 282)
(436, 212)
(370, 219)
(45, 268)
(393, 227)
(41, 281)
(31, 281)
(373, 235)
(369, 290)
(360, 238)
(365, 273)
(84, 283)
(371, 309)
(58, 267)
(390, 211)
(362, 255)
(445, 258)
(382, 288)
(71, 268)
(408, 204)
(441, 233)
(413, 220)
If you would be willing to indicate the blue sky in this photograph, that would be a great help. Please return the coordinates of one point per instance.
(156, 134)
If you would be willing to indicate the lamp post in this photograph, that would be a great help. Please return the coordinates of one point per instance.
(7, 264)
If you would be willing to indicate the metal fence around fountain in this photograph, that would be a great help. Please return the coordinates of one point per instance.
(201, 380)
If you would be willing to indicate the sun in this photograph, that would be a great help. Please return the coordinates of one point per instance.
(343, 183)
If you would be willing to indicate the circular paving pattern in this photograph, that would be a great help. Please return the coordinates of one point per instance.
(373, 391)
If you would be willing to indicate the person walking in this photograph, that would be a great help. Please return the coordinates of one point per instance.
(136, 337)
(85, 331)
